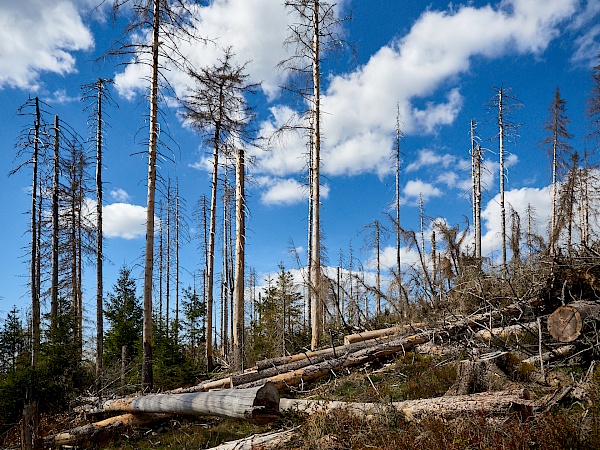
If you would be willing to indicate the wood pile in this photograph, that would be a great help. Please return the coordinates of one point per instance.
(502, 342)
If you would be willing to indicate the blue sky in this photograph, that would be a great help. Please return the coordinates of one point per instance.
(439, 61)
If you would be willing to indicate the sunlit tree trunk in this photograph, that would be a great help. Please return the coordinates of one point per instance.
(147, 372)
(240, 239)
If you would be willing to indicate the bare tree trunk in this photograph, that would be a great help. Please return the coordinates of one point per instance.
(168, 260)
(378, 276)
(476, 175)
(315, 272)
(502, 176)
(34, 282)
(210, 271)
(177, 225)
(99, 236)
(30, 416)
(147, 372)
(55, 230)
(397, 199)
(240, 241)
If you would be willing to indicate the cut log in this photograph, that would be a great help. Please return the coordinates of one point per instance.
(383, 333)
(102, 429)
(492, 404)
(260, 403)
(262, 441)
(566, 323)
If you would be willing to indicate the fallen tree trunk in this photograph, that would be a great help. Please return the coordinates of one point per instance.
(314, 371)
(100, 430)
(567, 322)
(507, 332)
(258, 441)
(560, 352)
(383, 333)
(492, 404)
(260, 403)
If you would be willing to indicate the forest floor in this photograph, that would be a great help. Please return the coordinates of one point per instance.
(571, 423)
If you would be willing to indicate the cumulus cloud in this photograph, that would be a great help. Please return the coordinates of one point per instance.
(38, 36)
(416, 189)
(437, 49)
(120, 195)
(428, 157)
(520, 200)
(123, 220)
(418, 71)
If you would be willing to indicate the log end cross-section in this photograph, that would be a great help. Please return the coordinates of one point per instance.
(567, 322)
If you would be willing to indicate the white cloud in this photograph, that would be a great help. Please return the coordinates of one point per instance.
(285, 191)
(417, 188)
(436, 114)
(38, 36)
(430, 158)
(278, 191)
(239, 24)
(359, 108)
(519, 200)
(120, 195)
(124, 220)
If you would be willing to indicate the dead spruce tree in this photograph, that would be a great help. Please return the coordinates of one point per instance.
(217, 108)
(166, 23)
(96, 95)
(557, 146)
(504, 104)
(314, 32)
(31, 145)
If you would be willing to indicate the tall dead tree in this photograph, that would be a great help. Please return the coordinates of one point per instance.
(375, 231)
(167, 22)
(311, 36)
(398, 159)
(240, 246)
(559, 150)
(476, 157)
(32, 140)
(505, 104)
(97, 94)
(216, 107)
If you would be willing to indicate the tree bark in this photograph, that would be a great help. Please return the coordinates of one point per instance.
(492, 404)
(147, 372)
(258, 441)
(240, 244)
(383, 333)
(260, 404)
(566, 324)
(506, 332)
